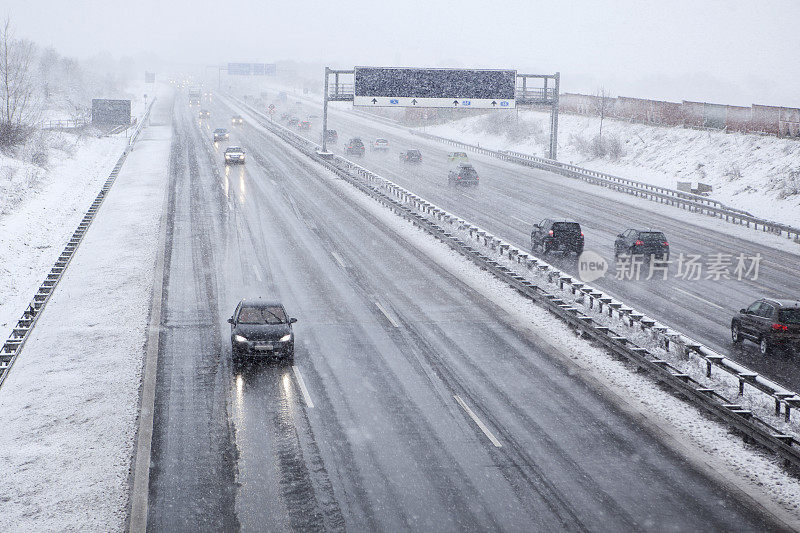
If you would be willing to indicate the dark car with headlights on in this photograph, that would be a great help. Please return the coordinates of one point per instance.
(647, 243)
(221, 134)
(769, 322)
(261, 328)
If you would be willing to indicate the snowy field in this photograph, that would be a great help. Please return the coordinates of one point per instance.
(69, 405)
(760, 174)
(45, 188)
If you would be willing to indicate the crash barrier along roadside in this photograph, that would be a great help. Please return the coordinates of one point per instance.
(21, 332)
(582, 315)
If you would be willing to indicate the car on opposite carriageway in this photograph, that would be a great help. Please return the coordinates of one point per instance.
(355, 147)
(551, 235)
(411, 156)
(380, 145)
(646, 243)
(769, 322)
(464, 175)
(237, 120)
(331, 136)
(458, 157)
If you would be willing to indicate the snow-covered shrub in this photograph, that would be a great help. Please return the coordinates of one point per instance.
(732, 172)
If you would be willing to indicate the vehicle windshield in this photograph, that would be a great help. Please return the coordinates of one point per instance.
(789, 316)
(467, 172)
(273, 314)
(413, 153)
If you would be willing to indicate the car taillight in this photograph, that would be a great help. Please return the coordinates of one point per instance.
(550, 233)
(638, 243)
(780, 327)
(665, 243)
(581, 234)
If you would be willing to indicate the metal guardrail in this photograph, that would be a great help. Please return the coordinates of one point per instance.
(21, 332)
(64, 123)
(692, 202)
(426, 215)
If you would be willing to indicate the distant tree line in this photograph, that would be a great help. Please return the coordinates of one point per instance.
(34, 81)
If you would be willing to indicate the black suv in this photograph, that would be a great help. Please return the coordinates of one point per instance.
(411, 156)
(355, 147)
(557, 235)
(770, 323)
(464, 174)
(647, 243)
(261, 328)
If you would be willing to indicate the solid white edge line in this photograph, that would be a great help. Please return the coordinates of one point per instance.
(338, 259)
(477, 420)
(302, 385)
(386, 314)
(518, 219)
(255, 271)
(468, 196)
(699, 298)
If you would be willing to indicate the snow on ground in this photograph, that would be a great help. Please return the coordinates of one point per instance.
(760, 174)
(39, 210)
(68, 408)
(45, 188)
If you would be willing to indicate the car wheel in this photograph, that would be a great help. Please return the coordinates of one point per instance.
(736, 335)
(764, 346)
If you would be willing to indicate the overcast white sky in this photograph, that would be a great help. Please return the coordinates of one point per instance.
(731, 51)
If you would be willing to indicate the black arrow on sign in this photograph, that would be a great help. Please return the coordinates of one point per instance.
(455, 102)
(414, 101)
(494, 103)
(374, 101)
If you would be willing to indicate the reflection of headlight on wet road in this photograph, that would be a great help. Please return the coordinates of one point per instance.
(239, 338)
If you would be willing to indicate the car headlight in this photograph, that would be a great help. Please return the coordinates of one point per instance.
(239, 338)
(286, 338)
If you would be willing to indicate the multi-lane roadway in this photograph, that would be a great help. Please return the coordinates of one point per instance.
(511, 198)
(414, 402)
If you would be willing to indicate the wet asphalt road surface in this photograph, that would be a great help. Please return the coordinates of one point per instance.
(402, 362)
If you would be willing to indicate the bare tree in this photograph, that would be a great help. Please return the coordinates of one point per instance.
(19, 108)
(602, 105)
